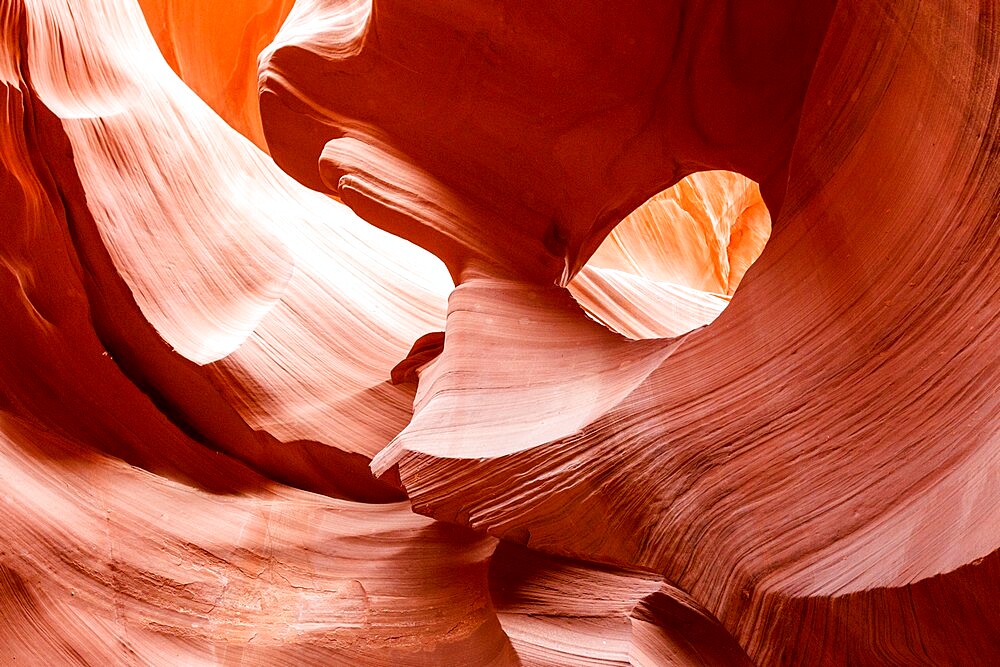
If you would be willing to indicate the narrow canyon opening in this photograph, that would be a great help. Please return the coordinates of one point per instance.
(674, 263)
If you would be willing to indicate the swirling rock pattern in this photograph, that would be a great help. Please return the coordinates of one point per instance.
(214, 47)
(245, 419)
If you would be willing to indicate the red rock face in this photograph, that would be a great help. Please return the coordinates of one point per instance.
(413, 392)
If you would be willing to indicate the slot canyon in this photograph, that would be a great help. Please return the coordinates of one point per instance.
(487, 333)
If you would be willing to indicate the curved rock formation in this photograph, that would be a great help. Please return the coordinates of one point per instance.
(560, 612)
(672, 265)
(214, 47)
(241, 425)
(796, 459)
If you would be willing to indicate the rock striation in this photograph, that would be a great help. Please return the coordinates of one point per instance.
(449, 333)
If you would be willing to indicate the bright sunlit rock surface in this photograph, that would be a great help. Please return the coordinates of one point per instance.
(368, 332)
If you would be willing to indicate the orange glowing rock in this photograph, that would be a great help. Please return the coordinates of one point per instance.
(505, 357)
(213, 46)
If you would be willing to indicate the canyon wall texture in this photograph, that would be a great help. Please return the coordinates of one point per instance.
(459, 333)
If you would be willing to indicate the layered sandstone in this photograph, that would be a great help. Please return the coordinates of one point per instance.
(471, 366)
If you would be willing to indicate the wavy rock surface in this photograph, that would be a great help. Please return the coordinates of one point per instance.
(230, 261)
(101, 560)
(241, 425)
(672, 265)
(560, 612)
(214, 47)
(820, 460)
